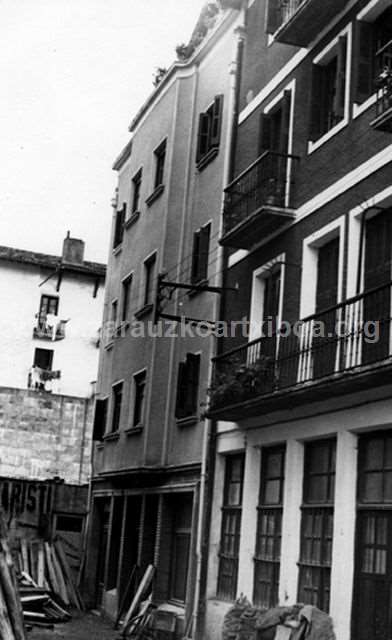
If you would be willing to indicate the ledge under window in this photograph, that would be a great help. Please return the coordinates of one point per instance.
(312, 146)
(132, 431)
(115, 435)
(109, 345)
(117, 249)
(144, 311)
(207, 158)
(155, 194)
(122, 327)
(188, 421)
(132, 219)
(100, 445)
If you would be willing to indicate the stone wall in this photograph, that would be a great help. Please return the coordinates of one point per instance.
(45, 435)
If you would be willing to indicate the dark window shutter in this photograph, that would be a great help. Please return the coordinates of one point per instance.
(100, 419)
(363, 80)
(272, 16)
(265, 133)
(378, 250)
(340, 78)
(193, 370)
(204, 252)
(284, 136)
(195, 257)
(203, 135)
(181, 390)
(316, 105)
(216, 123)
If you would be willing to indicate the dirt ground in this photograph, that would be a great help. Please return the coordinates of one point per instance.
(83, 626)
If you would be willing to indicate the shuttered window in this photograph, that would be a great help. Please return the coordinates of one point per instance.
(200, 253)
(188, 386)
(209, 133)
(231, 527)
(328, 91)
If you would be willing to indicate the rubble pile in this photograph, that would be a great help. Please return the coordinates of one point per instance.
(245, 622)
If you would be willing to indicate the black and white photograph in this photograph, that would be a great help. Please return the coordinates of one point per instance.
(196, 326)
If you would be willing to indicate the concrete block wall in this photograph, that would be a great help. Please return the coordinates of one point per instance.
(44, 435)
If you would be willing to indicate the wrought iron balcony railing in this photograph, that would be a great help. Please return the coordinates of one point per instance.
(383, 120)
(259, 199)
(347, 337)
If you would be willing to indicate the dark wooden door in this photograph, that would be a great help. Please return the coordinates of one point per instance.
(377, 272)
(372, 615)
(324, 341)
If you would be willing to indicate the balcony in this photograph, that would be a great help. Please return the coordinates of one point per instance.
(298, 22)
(48, 327)
(43, 379)
(383, 119)
(344, 349)
(258, 201)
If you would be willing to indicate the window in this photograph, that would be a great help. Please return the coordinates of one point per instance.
(119, 226)
(181, 544)
(139, 398)
(100, 417)
(329, 90)
(370, 54)
(317, 523)
(200, 253)
(210, 124)
(113, 318)
(160, 155)
(43, 358)
(274, 126)
(269, 528)
(149, 272)
(372, 608)
(136, 188)
(48, 305)
(126, 297)
(188, 386)
(117, 393)
(231, 527)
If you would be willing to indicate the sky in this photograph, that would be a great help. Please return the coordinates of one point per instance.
(73, 73)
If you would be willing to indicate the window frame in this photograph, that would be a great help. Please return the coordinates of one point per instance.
(324, 57)
(200, 254)
(116, 409)
(209, 132)
(149, 265)
(188, 387)
(139, 402)
(126, 288)
(228, 511)
(160, 160)
(119, 222)
(136, 191)
(275, 512)
(100, 418)
(49, 351)
(324, 511)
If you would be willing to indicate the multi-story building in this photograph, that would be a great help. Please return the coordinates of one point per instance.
(151, 438)
(49, 333)
(302, 505)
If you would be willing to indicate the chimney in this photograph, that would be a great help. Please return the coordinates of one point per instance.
(73, 250)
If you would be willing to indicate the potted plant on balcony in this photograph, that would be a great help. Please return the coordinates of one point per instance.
(240, 381)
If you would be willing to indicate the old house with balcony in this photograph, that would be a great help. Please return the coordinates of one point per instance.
(164, 270)
(302, 499)
(51, 315)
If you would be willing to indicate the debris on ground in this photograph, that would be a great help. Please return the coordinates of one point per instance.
(246, 622)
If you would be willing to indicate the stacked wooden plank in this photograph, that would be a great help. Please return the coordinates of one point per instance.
(11, 616)
(46, 566)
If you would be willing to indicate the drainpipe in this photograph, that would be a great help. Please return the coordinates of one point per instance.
(209, 438)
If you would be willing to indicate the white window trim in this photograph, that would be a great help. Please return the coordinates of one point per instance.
(347, 31)
(382, 198)
(291, 86)
(360, 108)
(257, 296)
(309, 264)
